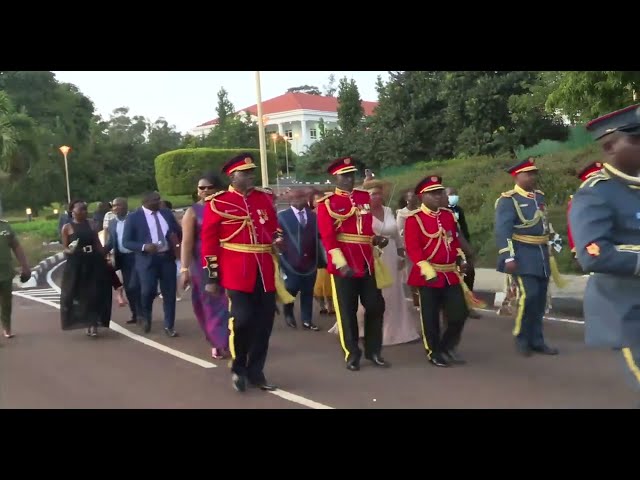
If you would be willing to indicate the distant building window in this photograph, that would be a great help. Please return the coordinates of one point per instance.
(313, 134)
(288, 133)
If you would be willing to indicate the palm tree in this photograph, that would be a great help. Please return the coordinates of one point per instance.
(18, 141)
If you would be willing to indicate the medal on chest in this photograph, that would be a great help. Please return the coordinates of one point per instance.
(263, 217)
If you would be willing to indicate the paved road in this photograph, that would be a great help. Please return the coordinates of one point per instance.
(44, 367)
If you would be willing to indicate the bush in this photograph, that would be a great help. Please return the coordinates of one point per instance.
(480, 180)
(43, 230)
(178, 171)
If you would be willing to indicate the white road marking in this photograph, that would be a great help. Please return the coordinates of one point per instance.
(291, 397)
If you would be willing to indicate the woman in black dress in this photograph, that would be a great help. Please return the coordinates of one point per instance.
(85, 299)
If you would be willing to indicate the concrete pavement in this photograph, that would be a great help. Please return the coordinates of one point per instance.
(44, 367)
(490, 284)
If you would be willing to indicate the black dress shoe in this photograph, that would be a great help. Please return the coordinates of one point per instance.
(438, 361)
(545, 350)
(311, 326)
(146, 325)
(353, 364)
(291, 321)
(132, 320)
(378, 361)
(523, 350)
(263, 385)
(239, 382)
(170, 332)
(451, 356)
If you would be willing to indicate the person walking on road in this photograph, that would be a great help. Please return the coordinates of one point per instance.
(346, 229)
(85, 298)
(605, 224)
(210, 310)
(432, 244)
(9, 243)
(239, 234)
(522, 237)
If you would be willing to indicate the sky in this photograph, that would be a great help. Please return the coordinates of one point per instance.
(187, 99)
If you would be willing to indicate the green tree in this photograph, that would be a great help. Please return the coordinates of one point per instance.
(350, 111)
(582, 96)
(225, 108)
(311, 90)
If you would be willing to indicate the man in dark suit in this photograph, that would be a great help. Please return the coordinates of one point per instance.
(124, 259)
(299, 258)
(153, 234)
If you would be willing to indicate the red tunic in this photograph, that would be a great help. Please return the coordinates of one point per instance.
(346, 225)
(237, 235)
(433, 237)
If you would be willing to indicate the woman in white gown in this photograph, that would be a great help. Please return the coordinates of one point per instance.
(399, 325)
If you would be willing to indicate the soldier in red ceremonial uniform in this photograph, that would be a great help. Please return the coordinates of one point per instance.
(431, 242)
(587, 172)
(346, 229)
(239, 232)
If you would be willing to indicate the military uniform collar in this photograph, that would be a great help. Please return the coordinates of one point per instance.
(342, 193)
(524, 193)
(633, 182)
(428, 211)
(231, 189)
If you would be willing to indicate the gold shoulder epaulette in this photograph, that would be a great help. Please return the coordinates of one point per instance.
(507, 194)
(414, 212)
(447, 210)
(539, 191)
(595, 179)
(211, 197)
(264, 190)
(326, 195)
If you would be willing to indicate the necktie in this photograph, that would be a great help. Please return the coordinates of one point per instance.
(303, 220)
(161, 240)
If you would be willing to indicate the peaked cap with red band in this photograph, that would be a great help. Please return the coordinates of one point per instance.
(342, 165)
(243, 161)
(527, 165)
(429, 184)
(589, 170)
(625, 121)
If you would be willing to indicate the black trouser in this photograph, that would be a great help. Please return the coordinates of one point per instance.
(6, 300)
(449, 299)
(470, 277)
(250, 325)
(531, 307)
(346, 294)
(127, 265)
(304, 284)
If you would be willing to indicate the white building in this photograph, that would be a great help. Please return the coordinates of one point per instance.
(295, 116)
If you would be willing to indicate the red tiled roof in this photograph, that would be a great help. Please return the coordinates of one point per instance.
(298, 101)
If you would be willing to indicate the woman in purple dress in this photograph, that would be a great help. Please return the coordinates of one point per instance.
(211, 310)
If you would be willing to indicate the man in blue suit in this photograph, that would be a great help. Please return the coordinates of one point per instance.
(299, 259)
(154, 235)
(125, 260)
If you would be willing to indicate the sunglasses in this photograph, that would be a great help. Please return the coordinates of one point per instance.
(206, 187)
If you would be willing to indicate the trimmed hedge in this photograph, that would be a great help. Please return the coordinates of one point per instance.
(480, 180)
(178, 171)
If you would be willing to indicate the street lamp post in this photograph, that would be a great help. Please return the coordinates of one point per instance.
(65, 150)
(261, 134)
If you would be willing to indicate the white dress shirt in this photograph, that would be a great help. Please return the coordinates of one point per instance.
(297, 214)
(151, 222)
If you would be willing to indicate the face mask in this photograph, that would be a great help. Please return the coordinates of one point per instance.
(453, 200)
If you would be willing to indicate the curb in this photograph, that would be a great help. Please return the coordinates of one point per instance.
(569, 306)
(38, 273)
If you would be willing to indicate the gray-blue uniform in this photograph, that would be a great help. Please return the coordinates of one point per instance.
(522, 234)
(605, 223)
